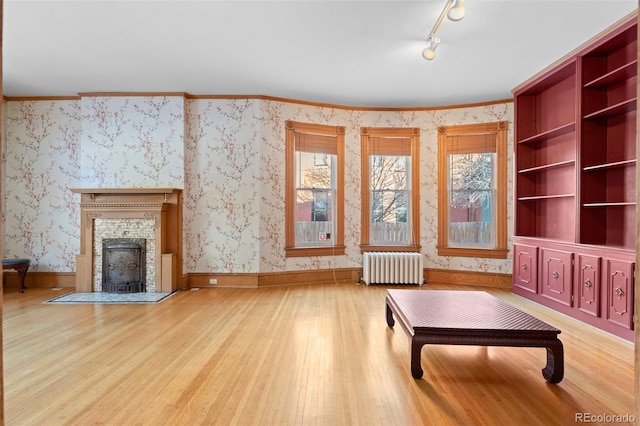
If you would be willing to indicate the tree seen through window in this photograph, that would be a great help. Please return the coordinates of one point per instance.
(471, 186)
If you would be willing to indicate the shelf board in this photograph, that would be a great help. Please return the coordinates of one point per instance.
(547, 166)
(567, 128)
(610, 165)
(610, 111)
(620, 74)
(545, 197)
(611, 204)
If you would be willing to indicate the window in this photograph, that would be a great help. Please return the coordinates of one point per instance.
(472, 190)
(390, 189)
(314, 190)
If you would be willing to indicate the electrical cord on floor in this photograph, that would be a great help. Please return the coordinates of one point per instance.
(333, 260)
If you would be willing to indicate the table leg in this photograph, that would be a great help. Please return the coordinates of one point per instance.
(22, 273)
(554, 370)
(416, 350)
(390, 320)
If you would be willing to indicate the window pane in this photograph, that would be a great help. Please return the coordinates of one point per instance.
(389, 199)
(314, 170)
(315, 191)
(471, 199)
(389, 206)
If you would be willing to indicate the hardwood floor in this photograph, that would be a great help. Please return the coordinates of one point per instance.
(314, 354)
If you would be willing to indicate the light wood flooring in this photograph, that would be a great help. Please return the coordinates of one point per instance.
(299, 355)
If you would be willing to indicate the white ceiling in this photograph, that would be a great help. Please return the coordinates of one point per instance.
(351, 53)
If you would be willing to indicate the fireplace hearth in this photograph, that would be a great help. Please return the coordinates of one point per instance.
(123, 265)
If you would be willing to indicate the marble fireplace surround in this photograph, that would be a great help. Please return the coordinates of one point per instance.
(160, 207)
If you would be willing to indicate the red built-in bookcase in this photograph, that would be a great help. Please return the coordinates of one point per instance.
(575, 183)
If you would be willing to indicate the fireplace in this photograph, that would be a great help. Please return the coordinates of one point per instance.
(123, 265)
(144, 219)
(124, 229)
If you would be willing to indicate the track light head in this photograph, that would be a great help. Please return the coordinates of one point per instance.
(456, 12)
(430, 52)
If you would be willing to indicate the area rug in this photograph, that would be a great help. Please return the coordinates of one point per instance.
(115, 298)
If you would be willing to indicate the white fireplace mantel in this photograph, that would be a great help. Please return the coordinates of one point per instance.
(163, 205)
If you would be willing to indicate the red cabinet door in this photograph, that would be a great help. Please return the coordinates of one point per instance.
(556, 275)
(588, 284)
(525, 264)
(619, 277)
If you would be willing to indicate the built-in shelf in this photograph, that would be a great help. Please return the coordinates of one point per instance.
(610, 204)
(613, 110)
(545, 167)
(545, 197)
(558, 131)
(610, 165)
(575, 183)
(620, 74)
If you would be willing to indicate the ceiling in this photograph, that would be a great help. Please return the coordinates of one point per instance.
(350, 53)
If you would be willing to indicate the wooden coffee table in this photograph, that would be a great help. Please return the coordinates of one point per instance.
(470, 318)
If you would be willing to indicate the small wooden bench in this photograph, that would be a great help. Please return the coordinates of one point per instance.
(20, 266)
(470, 318)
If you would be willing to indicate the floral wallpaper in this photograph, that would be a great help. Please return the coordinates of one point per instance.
(221, 201)
(41, 160)
(132, 142)
(227, 155)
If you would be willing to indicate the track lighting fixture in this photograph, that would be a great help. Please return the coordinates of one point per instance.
(454, 10)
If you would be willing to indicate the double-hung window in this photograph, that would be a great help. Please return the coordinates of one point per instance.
(472, 190)
(390, 185)
(314, 189)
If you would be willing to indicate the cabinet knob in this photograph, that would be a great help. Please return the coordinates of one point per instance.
(524, 266)
(587, 283)
(619, 292)
(555, 275)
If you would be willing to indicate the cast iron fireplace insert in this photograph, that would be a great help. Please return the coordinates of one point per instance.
(124, 265)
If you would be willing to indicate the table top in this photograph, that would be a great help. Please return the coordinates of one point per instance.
(427, 310)
(14, 262)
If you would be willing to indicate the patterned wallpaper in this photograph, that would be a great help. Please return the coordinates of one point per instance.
(227, 155)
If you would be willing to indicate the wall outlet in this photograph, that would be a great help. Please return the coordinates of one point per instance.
(213, 281)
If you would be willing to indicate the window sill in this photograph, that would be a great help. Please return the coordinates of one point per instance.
(369, 248)
(473, 252)
(314, 251)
